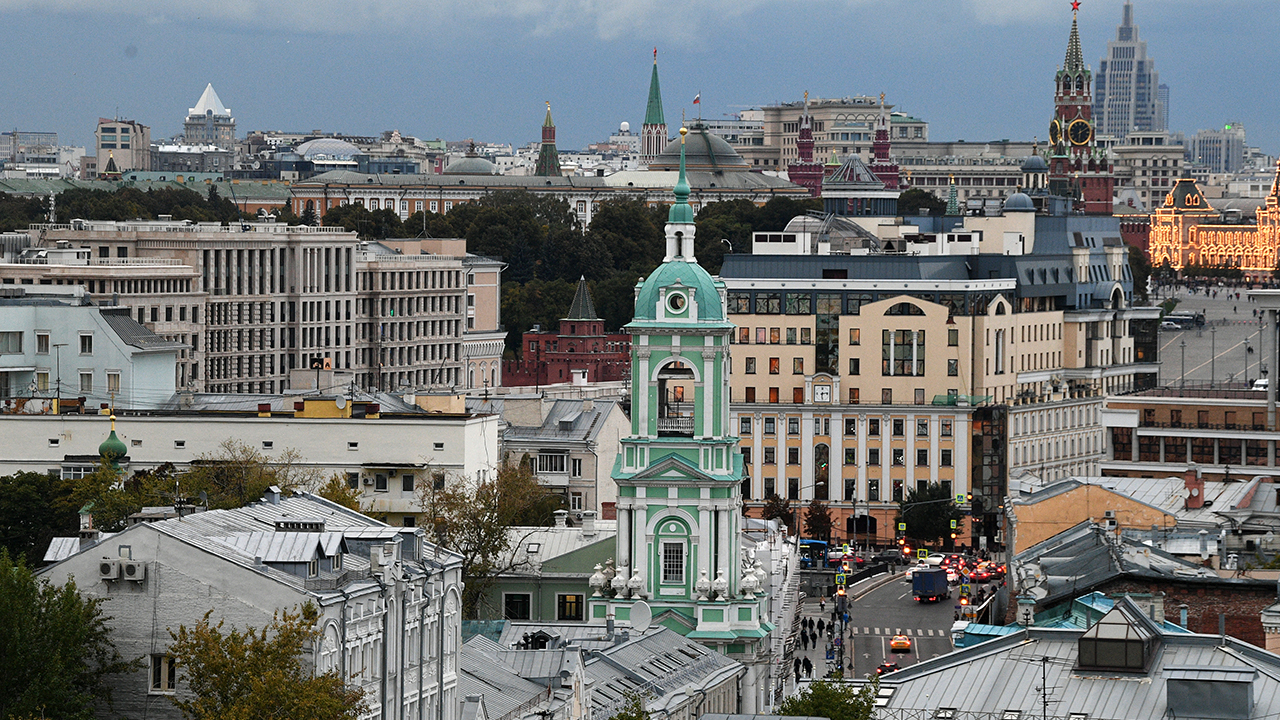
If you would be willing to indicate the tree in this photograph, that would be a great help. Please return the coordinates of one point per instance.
(1141, 269)
(238, 474)
(472, 517)
(776, 507)
(56, 650)
(836, 701)
(337, 490)
(31, 514)
(632, 709)
(915, 201)
(817, 520)
(928, 512)
(242, 674)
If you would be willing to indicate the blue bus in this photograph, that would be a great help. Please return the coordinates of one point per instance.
(813, 553)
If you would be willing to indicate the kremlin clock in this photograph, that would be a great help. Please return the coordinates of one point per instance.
(1055, 131)
(1080, 132)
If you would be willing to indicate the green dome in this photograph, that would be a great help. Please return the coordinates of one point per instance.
(689, 275)
(112, 449)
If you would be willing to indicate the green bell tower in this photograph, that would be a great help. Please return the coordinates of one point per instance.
(679, 471)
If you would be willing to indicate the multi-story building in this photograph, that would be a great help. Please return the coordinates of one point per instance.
(1186, 231)
(190, 158)
(278, 297)
(1127, 94)
(580, 346)
(987, 344)
(1219, 151)
(161, 293)
(55, 344)
(125, 143)
(1149, 163)
(210, 122)
(1078, 167)
(389, 603)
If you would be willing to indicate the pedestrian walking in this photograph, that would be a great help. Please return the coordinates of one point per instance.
(798, 671)
(813, 639)
(821, 627)
(822, 604)
(808, 668)
(804, 640)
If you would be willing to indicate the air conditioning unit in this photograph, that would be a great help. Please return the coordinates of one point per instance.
(133, 570)
(1110, 514)
(368, 480)
(109, 569)
(1111, 524)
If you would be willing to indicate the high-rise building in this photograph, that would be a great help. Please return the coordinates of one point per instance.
(210, 122)
(1218, 151)
(1128, 95)
(1078, 167)
(122, 145)
(653, 134)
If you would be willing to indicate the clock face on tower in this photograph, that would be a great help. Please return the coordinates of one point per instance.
(1055, 131)
(1080, 131)
(822, 393)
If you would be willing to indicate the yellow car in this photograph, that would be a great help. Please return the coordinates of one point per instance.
(900, 644)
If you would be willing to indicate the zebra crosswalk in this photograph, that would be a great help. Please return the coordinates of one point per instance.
(887, 631)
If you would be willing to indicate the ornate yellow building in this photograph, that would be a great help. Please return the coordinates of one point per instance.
(1184, 233)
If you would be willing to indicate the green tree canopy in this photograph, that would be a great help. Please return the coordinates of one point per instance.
(56, 650)
(915, 201)
(817, 520)
(928, 512)
(248, 674)
(777, 507)
(33, 511)
(837, 701)
(633, 708)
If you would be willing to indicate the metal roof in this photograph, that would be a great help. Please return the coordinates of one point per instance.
(565, 420)
(62, 548)
(134, 333)
(552, 542)
(481, 672)
(286, 546)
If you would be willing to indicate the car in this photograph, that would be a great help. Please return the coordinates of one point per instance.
(1260, 384)
(900, 644)
(887, 667)
(953, 576)
(1169, 325)
(911, 570)
(891, 555)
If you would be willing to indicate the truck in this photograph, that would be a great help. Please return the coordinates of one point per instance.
(929, 584)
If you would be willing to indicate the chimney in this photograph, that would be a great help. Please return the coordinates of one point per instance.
(588, 405)
(560, 517)
(589, 523)
(273, 495)
(1194, 482)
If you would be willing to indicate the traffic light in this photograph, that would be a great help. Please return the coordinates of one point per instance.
(964, 600)
(953, 536)
(969, 497)
(839, 590)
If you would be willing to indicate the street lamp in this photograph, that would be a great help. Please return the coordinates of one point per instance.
(1247, 350)
(1213, 354)
(57, 404)
(1183, 345)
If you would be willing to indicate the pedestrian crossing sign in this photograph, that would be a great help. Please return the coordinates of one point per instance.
(959, 498)
(840, 578)
(922, 554)
(953, 524)
(902, 527)
(964, 589)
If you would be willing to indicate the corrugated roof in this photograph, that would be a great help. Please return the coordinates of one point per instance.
(134, 333)
(565, 420)
(285, 546)
(481, 672)
(553, 542)
(62, 548)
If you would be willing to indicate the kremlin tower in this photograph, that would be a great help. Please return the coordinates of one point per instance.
(880, 165)
(653, 134)
(548, 157)
(806, 172)
(1078, 168)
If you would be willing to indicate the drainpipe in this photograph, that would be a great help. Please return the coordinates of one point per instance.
(440, 652)
(422, 645)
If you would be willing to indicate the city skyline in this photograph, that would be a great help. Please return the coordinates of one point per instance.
(976, 70)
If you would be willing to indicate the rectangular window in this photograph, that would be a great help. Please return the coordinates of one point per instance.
(773, 395)
(775, 336)
(953, 337)
(873, 490)
(797, 366)
(575, 501)
(899, 456)
(739, 303)
(797, 395)
(575, 467)
(744, 426)
(42, 343)
(953, 368)
(86, 382)
(380, 482)
(851, 427)
(899, 427)
(851, 456)
(922, 458)
(919, 393)
(406, 482)
(353, 481)
(42, 381)
(768, 303)
(569, 608)
(770, 455)
(799, 304)
(886, 396)
(806, 336)
(944, 428)
(744, 335)
(551, 463)
(164, 674)
(10, 342)
(113, 382)
(855, 336)
(855, 396)
(944, 459)
(750, 365)
(769, 424)
(746, 455)
(922, 428)
(762, 336)
(86, 344)
(873, 457)
(793, 456)
(775, 366)
(855, 366)
(873, 427)
(793, 426)
(673, 563)
(791, 336)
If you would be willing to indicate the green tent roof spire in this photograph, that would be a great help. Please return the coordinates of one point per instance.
(953, 201)
(653, 113)
(583, 307)
(1075, 58)
(681, 212)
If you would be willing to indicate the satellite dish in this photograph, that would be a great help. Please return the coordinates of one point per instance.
(340, 401)
(641, 616)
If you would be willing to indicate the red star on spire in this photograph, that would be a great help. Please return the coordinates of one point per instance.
(1075, 5)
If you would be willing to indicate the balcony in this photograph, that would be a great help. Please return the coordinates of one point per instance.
(675, 426)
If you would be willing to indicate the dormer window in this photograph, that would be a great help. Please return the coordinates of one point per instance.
(676, 302)
(1118, 642)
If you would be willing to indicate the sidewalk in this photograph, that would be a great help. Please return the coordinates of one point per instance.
(812, 608)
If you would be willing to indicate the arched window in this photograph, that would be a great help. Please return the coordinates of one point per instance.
(904, 308)
(821, 471)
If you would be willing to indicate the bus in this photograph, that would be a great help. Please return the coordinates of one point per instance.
(1186, 319)
(813, 553)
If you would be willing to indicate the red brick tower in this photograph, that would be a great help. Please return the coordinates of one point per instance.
(1078, 168)
(806, 172)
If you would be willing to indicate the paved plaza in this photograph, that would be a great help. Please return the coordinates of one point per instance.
(1218, 351)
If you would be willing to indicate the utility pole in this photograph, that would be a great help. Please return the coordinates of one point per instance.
(1183, 345)
(1213, 355)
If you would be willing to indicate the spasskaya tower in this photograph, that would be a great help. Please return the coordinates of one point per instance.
(1078, 168)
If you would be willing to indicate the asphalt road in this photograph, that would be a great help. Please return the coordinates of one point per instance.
(873, 620)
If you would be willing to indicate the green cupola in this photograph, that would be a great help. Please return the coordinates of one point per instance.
(113, 449)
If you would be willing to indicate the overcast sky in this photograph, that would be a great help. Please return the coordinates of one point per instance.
(974, 69)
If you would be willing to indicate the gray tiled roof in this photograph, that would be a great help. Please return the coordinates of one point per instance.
(135, 334)
(481, 672)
